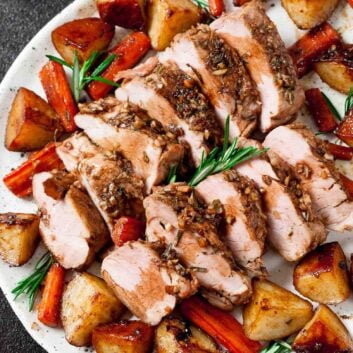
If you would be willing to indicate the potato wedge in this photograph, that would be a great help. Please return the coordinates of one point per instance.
(308, 14)
(323, 333)
(123, 337)
(175, 335)
(87, 302)
(336, 68)
(166, 18)
(19, 235)
(123, 13)
(32, 122)
(345, 129)
(84, 36)
(322, 275)
(274, 312)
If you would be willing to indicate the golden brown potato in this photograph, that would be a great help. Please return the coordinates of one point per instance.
(32, 122)
(175, 335)
(274, 312)
(87, 302)
(322, 275)
(19, 235)
(123, 337)
(123, 13)
(166, 18)
(323, 333)
(84, 36)
(309, 14)
(336, 68)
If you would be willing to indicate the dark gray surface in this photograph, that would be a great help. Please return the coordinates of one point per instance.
(20, 20)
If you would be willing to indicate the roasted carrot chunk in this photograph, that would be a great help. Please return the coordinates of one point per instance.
(49, 307)
(345, 129)
(220, 325)
(127, 229)
(216, 7)
(19, 181)
(58, 92)
(240, 2)
(321, 113)
(348, 184)
(311, 46)
(128, 52)
(340, 152)
(350, 2)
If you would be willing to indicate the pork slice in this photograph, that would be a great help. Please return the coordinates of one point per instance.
(219, 70)
(246, 229)
(298, 147)
(177, 219)
(175, 99)
(250, 31)
(70, 226)
(293, 227)
(146, 284)
(124, 127)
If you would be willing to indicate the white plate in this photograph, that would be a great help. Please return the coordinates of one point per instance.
(24, 72)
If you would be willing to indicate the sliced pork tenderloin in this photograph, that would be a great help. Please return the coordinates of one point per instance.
(293, 227)
(250, 31)
(219, 70)
(108, 178)
(149, 286)
(176, 218)
(70, 226)
(125, 128)
(295, 145)
(176, 100)
(246, 229)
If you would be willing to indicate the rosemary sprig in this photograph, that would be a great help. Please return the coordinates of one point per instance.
(221, 160)
(277, 347)
(172, 176)
(333, 109)
(29, 286)
(80, 76)
(348, 105)
(203, 4)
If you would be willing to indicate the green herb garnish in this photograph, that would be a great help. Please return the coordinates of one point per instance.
(277, 347)
(348, 105)
(203, 4)
(172, 176)
(30, 285)
(80, 76)
(221, 160)
(332, 108)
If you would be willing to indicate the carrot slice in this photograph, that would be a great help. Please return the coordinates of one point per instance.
(127, 229)
(311, 46)
(216, 7)
(49, 306)
(348, 184)
(128, 52)
(350, 2)
(19, 181)
(59, 95)
(340, 152)
(321, 113)
(220, 325)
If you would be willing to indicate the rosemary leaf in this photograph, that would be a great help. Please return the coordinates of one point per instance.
(30, 285)
(348, 105)
(103, 65)
(203, 4)
(333, 109)
(218, 161)
(104, 80)
(277, 347)
(76, 89)
(59, 61)
(172, 176)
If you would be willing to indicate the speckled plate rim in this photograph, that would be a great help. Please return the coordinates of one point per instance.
(24, 72)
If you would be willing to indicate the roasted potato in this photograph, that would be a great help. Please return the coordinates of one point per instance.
(32, 122)
(166, 18)
(323, 333)
(87, 302)
(175, 335)
(84, 36)
(123, 337)
(336, 68)
(274, 312)
(345, 129)
(322, 275)
(123, 13)
(308, 14)
(19, 235)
